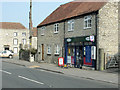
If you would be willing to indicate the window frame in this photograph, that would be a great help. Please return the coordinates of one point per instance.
(71, 24)
(15, 34)
(56, 28)
(14, 49)
(14, 41)
(57, 49)
(49, 49)
(87, 23)
(23, 41)
(43, 30)
(23, 34)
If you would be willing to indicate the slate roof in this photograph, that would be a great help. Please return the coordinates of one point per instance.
(11, 25)
(72, 9)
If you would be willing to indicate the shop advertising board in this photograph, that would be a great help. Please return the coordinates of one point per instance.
(93, 52)
(60, 61)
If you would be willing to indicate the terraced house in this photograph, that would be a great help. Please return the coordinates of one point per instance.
(78, 31)
(12, 35)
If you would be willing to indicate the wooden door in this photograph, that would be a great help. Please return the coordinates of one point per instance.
(42, 51)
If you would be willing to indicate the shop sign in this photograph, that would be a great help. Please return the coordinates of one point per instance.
(61, 61)
(87, 38)
(93, 52)
(92, 38)
(68, 40)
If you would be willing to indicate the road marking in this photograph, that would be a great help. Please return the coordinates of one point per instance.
(34, 66)
(5, 72)
(30, 80)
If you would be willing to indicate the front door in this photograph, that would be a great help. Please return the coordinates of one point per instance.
(42, 51)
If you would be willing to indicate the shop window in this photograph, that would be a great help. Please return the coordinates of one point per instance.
(70, 25)
(42, 31)
(49, 49)
(87, 22)
(56, 28)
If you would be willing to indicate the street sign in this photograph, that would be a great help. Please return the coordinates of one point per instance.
(60, 61)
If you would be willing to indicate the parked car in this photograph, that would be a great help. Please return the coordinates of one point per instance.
(7, 53)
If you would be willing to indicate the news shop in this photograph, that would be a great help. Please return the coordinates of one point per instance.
(80, 51)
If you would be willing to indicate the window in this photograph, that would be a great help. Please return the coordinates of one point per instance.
(49, 49)
(87, 22)
(24, 34)
(42, 30)
(24, 41)
(70, 25)
(56, 49)
(15, 34)
(56, 28)
(15, 50)
(15, 41)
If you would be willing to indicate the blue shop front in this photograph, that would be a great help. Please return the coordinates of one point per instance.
(80, 51)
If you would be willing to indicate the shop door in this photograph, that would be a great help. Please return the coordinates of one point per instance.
(42, 51)
(87, 58)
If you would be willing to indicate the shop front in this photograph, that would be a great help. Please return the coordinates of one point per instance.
(80, 51)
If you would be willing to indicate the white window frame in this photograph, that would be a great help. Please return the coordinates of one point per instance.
(87, 24)
(24, 34)
(24, 41)
(15, 34)
(15, 41)
(42, 31)
(71, 25)
(57, 50)
(56, 28)
(16, 49)
(48, 49)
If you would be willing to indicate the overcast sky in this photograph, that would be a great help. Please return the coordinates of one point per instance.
(19, 11)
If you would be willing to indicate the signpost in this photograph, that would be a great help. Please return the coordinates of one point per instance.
(60, 61)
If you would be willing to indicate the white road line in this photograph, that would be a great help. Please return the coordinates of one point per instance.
(30, 80)
(5, 72)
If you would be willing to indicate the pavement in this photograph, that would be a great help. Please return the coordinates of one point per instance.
(103, 76)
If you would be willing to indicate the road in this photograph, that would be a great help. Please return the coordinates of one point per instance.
(15, 76)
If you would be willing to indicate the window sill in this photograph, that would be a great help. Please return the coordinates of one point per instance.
(86, 28)
(48, 53)
(42, 34)
(56, 54)
(55, 32)
(70, 30)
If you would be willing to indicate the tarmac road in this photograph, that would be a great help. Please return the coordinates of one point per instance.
(15, 76)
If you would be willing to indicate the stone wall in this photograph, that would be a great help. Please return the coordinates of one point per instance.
(7, 36)
(108, 28)
(50, 38)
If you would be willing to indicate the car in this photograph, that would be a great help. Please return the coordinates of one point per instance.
(7, 53)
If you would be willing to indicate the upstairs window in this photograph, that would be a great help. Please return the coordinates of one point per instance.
(56, 28)
(49, 49)
(70, 25)
(87, 22)
(15, 34)
(43, 30)
(24, 34)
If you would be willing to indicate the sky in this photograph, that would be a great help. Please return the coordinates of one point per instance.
(19, 11)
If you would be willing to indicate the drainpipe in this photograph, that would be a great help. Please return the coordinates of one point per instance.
(96, 27)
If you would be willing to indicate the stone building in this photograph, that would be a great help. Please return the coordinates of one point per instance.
(13, 36)
(34, 37)
(77, 31)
